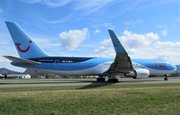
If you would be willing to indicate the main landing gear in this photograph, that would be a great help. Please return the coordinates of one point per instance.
(111, 80)
(100, 79)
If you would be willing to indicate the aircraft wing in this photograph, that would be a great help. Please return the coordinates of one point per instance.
(21, 60)
(122, 62)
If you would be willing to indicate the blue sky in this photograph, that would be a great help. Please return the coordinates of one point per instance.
(147, 28)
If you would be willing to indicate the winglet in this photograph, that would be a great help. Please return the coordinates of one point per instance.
(117, 44)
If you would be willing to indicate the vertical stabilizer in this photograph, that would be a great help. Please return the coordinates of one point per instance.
(25, 46)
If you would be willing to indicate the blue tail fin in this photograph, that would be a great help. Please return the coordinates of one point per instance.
(25, 46)
(117, 44)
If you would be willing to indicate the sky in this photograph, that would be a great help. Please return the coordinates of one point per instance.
(146, 28)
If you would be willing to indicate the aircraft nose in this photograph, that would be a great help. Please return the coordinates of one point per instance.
(173, 67)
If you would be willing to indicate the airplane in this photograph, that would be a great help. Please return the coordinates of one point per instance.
(32, 56)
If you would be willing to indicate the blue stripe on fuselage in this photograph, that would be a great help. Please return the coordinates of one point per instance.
(80, 63)
(66, 64)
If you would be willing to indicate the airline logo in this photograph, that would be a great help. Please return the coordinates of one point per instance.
(115, 44)
(160, 64)
(23, 50)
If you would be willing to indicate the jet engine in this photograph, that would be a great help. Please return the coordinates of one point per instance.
(138, 74)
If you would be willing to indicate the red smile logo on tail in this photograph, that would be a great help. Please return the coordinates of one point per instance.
(23, 50)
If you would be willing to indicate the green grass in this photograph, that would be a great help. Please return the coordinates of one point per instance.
(131, 99)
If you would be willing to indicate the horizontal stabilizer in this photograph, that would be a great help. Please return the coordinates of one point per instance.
(21, 60)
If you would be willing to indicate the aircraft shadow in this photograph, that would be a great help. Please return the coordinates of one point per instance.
(95, 84)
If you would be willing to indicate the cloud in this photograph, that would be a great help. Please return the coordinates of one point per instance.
(141, 46)
(159, 26)
(97, 31)
(107, 42)
(167, 50)
(133, 23)
(47, 42)
(104, 51)
(165, 45)
(71, 39)
(169, 55)
(106, 25)
(49, 3)
(81, 7)
(90, 6)
(54, 21)
(132, 51)
(131, 42)
(164, 29)
(164, 32)
(3, 60)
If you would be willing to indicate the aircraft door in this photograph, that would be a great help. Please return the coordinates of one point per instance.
(56, 63)
(100, 64)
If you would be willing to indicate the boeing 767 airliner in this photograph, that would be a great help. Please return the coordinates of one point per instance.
(32, 56)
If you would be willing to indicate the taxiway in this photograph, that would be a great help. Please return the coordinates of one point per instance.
(75, 82)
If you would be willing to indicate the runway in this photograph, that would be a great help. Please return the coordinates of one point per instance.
(81, 82)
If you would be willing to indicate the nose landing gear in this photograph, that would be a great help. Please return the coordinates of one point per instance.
(166, 77)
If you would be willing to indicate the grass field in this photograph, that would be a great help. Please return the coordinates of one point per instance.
(123, 99)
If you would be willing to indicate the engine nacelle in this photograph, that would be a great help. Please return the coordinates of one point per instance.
(139, 74)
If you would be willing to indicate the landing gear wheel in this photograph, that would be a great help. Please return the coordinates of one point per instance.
(110, 80)
(115, 80)
(98, 79)
(101, 79)
(165, 79)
